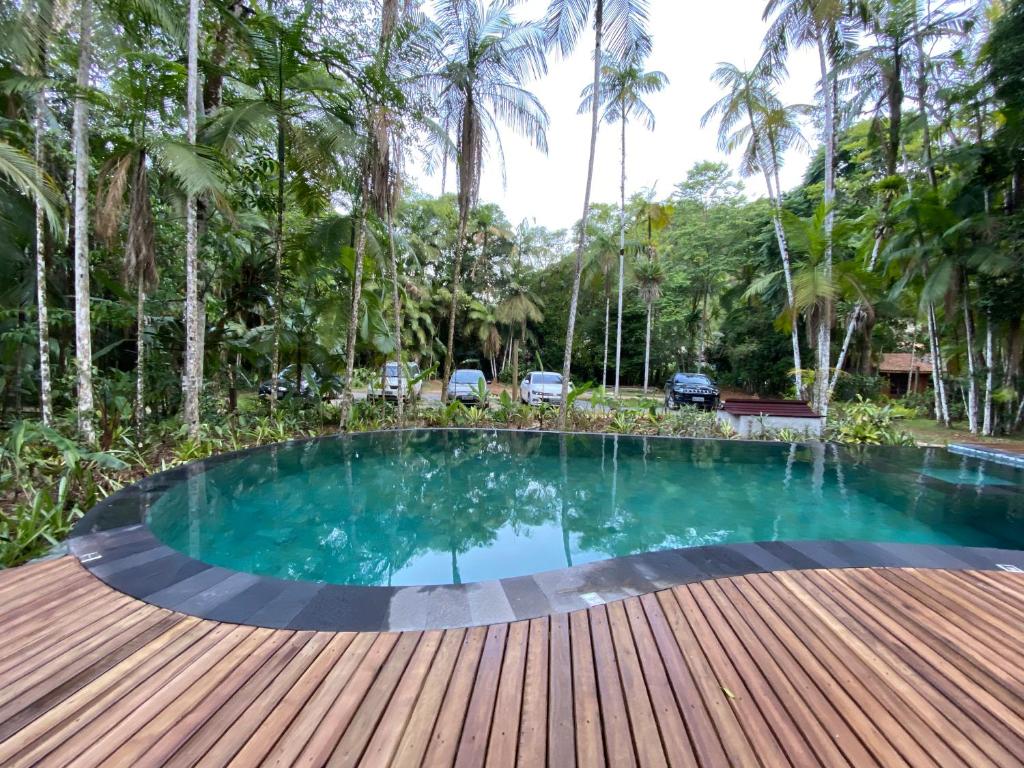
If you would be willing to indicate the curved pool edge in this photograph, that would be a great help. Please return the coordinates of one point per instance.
(116, 545)
(132, 560)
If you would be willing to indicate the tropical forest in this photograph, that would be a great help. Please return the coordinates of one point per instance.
(222, 222)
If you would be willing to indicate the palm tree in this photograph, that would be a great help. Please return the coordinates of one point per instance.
(520, 307)
(620, 91)
(649, 276)
(80, 145)
(486, 58)
(625, 23)
(485, 321)
(818, 23)
(770, 129)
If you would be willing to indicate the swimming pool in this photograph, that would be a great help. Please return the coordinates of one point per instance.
(425, 507)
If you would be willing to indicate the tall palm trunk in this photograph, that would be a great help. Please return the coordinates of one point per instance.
(647, 346)
(581, 242)
(990, 364)
(80, 140)
(42, 317)
(972, 380)
(775, 199)
(353, 317)
(938, 381)
(821, 379)
(622, 252)
(139, 411)
(275, 364)
(607, 322)
(194, 325)
(396, 303)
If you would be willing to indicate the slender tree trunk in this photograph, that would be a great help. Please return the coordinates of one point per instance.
(821, 379)
(987, 425)
(775, 197)
(607, 319)
(42, 317)
(938, 381)
(647, 347)
(275, 363)
(453, 308)
(922, 103)
(972, 381)
(396, 305)
(622, 253)
(140, 353)
(515, 368)
(581, 242)
(192, 376)
(80, 140)
(353, 317)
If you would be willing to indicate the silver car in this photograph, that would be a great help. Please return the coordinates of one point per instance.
(396, 381)
(468, 386)
(542, 387)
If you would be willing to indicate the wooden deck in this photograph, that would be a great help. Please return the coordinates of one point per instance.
(855, 667)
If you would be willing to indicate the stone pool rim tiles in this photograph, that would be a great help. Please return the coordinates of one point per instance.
(116, 545)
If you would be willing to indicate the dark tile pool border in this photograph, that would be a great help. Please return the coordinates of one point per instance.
(115, 544)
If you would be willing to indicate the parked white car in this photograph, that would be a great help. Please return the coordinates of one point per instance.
(542, 387)
(468, 386)
(396, 381)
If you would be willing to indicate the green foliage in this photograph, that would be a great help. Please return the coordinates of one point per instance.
(864, 422)
(850, 386)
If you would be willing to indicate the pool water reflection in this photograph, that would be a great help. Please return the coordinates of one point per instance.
(452, 506)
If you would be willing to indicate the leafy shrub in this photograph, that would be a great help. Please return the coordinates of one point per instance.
(867, 423)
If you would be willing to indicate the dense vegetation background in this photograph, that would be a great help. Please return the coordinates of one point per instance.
(196, 196)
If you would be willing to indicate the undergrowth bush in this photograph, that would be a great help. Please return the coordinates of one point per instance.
(867, 423)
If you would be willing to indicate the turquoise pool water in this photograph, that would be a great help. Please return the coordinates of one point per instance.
(441, 507)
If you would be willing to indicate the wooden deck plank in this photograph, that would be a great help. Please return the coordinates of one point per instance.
(444, 741)
(561, 737)
(416, 740)
(819, 667)
(388, 735)
(501, 749)
(533, 723)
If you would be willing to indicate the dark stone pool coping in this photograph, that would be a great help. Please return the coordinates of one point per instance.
(115, 544)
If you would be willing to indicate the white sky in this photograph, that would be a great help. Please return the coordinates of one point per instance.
(690, 38)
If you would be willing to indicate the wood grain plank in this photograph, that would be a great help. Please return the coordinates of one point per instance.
(389, 732)
(501, 749)
(533, 724)
(586, 701)
(618, 740)
(415, 742)
(476, 730)
(561, 738)
(444, 741)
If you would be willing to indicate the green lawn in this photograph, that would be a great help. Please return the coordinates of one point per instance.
(928, 432)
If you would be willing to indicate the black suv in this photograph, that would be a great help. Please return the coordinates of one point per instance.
(691, 389)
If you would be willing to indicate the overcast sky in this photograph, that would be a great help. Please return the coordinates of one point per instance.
(690, 38)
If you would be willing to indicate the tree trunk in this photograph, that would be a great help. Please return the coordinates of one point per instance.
(42, 317)
(607, 318)
(515, 368)
(275, 363)
(622, 253)
(938, 383)
(453, 308)
(775, 197)
(581, 242)
(396, 303)
(353, 317)
(987, 425)
(140, 353)
(192, 375)
(647, 347)
(821, 379)
(80, 141)
(972, 381)
(922, 103)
